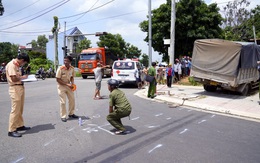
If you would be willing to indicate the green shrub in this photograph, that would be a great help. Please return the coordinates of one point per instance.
(193, 82)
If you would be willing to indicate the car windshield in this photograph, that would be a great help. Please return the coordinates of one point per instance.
(124, 65)
(85, 56)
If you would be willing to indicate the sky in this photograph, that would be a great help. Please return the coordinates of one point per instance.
(25, 20)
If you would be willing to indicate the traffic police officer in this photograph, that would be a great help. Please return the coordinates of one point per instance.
(119, 106)
(65, 79)
(16, 92)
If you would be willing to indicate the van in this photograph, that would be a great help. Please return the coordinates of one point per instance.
(124, 71)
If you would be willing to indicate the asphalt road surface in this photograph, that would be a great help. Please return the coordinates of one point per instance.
(157, 132)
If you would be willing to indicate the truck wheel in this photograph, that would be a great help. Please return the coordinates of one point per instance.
(245, 90)
(84, 76)
(210, 88)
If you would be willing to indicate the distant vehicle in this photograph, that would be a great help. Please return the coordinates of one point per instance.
(225, 64)
(124, 71)
(89, 58)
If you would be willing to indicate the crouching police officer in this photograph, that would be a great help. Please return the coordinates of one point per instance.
(119, 106)
(65, 78)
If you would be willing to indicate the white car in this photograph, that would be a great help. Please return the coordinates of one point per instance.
(124, 71)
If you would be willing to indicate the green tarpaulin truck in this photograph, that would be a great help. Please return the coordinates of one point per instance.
(225, 64)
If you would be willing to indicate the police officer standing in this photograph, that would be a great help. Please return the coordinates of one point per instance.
(65, 79)
(16, 92)
(119, 106)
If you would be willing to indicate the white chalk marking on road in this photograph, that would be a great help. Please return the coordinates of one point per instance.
(48, 143)
(89, 130)
(189, 110)
(157, 115)
(153, 126)
(71, 129)
(135, 118)
(202, 121)
(158, 146)
(96, 116)
(20, 159)
(92, 124)
(185, 130)
(212, 116)
(168, 118)
(106, 130)
(104, 125)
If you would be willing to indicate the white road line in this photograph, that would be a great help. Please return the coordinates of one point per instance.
(202, 121)
(168, 118)
(157, 115)
(153, 126)
(185, 130)
(20, 159)
(212, 116)
(71, 129)
(158, 146)
(48, 143)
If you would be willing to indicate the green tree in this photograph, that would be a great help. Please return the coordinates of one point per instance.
(8, 51)
(132, 51)
(236, 23)
(115, 43)
(145, 60)
(194, 20)
(83, 44)
(42, 41)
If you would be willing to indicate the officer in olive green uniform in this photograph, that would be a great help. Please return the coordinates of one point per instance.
(119, 106)
(16, 92)
(152, 85)
(65, 78)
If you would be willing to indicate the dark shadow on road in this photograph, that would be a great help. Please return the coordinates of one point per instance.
(125, 153)
(39, 128)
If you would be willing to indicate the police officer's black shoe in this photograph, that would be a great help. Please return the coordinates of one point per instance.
(63, 119)
(14, 134)
(23, 128)
(73, 116)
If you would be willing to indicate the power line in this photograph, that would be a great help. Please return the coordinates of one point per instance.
(84, 13)
(34, 13)
(19, 10)
(35, 17)
(88, 10)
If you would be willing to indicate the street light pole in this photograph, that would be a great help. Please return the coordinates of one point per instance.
(172, 39)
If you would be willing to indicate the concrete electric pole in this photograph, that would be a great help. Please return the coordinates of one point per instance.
(172, 38)
(150, 32)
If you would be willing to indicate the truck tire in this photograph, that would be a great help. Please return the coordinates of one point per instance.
(246, 90)
(210, 88)
(84, 76)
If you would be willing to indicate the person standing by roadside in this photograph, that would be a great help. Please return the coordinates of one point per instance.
(98, 78)
(170, 74)
(65, 79)
(152, 85)
(119, 107)
(17, 94)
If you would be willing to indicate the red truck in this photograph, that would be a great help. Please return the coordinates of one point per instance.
(89, 58)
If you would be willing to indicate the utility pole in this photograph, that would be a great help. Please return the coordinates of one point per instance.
(64, 41)
(150, 32)
(55, 34)
(172, 38)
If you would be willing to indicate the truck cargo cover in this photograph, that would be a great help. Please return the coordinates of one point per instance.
(224, 57)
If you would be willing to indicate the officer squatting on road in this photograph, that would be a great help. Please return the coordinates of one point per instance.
(65, 79)
(119, 107)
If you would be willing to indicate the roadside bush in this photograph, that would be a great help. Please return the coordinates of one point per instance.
(192, 81)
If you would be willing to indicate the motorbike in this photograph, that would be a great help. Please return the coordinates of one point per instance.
(3, 76)
(41, 75)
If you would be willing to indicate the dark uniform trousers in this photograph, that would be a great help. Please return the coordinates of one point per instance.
(114, 118)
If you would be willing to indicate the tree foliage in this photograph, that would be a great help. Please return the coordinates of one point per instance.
(237, 24)
(8, 51)
(194, 20)
(83, 44)
(118, 46)
(145, 60)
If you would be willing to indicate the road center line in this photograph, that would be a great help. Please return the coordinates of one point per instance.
(158, 146)
(183, 131)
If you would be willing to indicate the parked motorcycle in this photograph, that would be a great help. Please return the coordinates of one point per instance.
(3, 76)
(39, 75)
